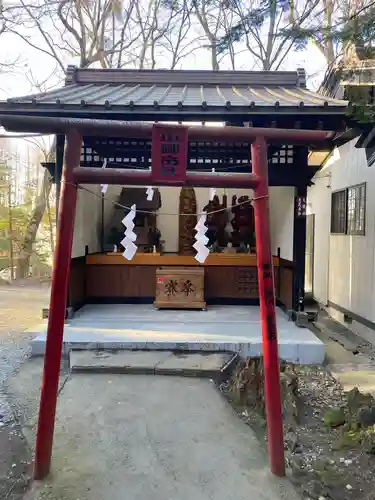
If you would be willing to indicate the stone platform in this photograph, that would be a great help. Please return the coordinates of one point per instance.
(220, 328)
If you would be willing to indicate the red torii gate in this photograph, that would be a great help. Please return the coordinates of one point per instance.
(74, 174)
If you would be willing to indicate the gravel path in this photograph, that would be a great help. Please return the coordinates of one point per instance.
(20, 309)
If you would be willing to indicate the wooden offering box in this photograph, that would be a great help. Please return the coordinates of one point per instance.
(180, 288)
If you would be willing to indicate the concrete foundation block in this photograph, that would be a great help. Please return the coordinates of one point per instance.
(233, 329)
(69, 313)
(302, 319)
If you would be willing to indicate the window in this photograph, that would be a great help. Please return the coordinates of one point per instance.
(338, 212)
(356, 209)
(348, 210)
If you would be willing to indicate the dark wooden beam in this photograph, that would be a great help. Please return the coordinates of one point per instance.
(299, 237)
(113, 128)
(87, 175)
(60, 144)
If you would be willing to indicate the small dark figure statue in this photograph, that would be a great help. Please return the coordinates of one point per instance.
(215, 247)
(242, 222)
(242, 248)
(115, 237)
(153, 239)
(216, 221)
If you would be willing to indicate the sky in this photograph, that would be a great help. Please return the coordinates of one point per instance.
(40, 66)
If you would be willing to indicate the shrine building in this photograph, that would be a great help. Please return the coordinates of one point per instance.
(165, 219)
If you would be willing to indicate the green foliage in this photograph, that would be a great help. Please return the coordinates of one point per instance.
(334, 417)
(361, 113)
(14, 221)
(255, 17)
(357, 29)
(301, 28)
(361, 107)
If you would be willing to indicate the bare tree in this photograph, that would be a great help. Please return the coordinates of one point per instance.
(325, 19)
(210, 17)
(343, 30)
(9, 14)
(45, 153)
(164, 38)
(105, 33)
(261, 29)
(228, 21)
(26, 246)
(264, 29)
(90, 32)
(179, 40)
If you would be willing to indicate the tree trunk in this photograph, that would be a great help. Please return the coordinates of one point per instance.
(23, 263)
(48, 207)
(11, 256)
(214, 61)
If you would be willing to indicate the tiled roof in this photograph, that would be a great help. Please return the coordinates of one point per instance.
(180, 90)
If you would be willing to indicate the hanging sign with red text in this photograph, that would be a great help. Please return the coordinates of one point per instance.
(169, 153)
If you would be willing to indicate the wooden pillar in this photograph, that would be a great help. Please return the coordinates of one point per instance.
(299, 247)
(102, 228)
(267, 301)
(60, 144)
(57, 309)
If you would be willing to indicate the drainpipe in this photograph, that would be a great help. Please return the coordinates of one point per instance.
(329, 237)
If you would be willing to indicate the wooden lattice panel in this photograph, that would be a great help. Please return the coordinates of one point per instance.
(136, 153)
(208, 154)
(285, 155)
(202, 155)
(247, 281)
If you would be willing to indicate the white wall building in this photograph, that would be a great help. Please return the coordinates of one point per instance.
(343, 209)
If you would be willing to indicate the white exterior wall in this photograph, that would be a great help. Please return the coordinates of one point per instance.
(319, 203)
(282, 217)
(345, 265)
(87, 223)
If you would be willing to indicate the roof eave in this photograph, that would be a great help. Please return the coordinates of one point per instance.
(79, 110)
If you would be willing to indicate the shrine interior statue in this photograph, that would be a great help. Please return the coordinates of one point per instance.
(242, 222)
(216, 222)
(240, 237)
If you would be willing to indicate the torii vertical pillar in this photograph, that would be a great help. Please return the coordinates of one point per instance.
(57, 308)
(268, 309)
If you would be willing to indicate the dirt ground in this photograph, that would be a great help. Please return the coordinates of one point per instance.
(20, 308)
(321, 462)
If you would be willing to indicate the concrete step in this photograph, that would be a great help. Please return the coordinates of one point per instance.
(192, 364)
(337, 333)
